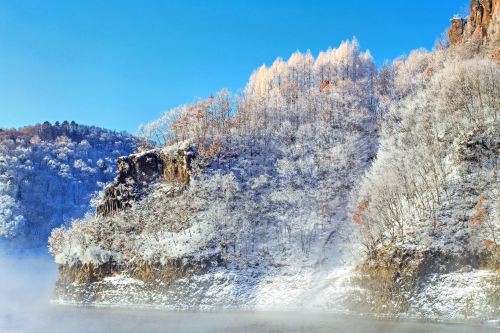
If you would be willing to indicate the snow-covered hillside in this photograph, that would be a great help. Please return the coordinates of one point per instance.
(434, 184)
(327, 184)
(270, 185)
(48, 175)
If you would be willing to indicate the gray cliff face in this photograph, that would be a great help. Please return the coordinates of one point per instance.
(137, 171)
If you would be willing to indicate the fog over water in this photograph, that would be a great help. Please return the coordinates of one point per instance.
(26, 282)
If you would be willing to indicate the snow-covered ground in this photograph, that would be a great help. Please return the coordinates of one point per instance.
(459, 295)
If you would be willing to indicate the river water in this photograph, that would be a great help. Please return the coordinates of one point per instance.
(26, 285)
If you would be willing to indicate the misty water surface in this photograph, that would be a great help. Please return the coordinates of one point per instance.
(26, 283)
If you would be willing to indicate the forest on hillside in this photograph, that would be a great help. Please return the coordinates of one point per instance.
(316, 151)
(49, 174)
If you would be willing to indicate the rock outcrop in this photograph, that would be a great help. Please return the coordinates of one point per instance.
(456, 31)
(477, 25)
(138, 171)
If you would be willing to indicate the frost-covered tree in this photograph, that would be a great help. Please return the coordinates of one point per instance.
(435, 176)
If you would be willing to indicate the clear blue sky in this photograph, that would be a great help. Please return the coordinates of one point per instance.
(117, 64)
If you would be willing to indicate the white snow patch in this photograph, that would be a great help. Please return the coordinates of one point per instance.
(122, 280)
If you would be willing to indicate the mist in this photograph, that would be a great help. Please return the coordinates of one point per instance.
(26, 283)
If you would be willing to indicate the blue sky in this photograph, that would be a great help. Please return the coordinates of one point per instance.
(117, 64)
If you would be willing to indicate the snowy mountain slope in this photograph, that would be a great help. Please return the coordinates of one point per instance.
(328, 184)
(270, 187)
(48, 174)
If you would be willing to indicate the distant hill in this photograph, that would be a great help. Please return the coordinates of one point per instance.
(48, 174)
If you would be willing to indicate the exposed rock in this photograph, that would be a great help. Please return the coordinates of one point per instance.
(495, 56)
(476, 25)
(478, 147)
(456, 31)
(137, 171)
(325, 85)
(396, 277)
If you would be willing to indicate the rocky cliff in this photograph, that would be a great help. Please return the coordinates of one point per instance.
(137, 171)
(479, 26)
